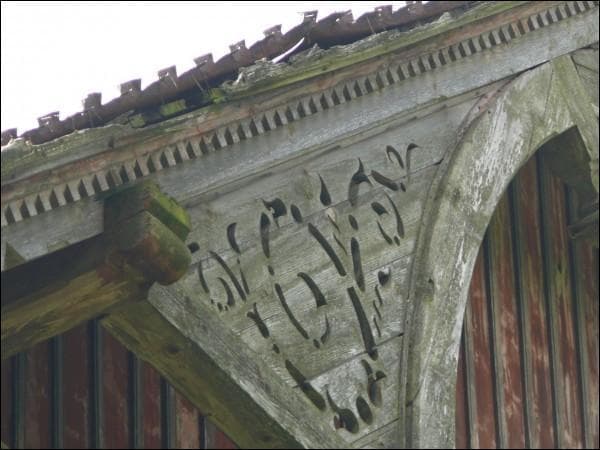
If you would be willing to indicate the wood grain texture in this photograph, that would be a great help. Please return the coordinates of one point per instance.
(77, 414)
(6, 403)
(558, 290)
(589, 258)
(530, 222)
(584, 267)
(384, 437)
(116, 388)
(363, 207)
(187, 423)
(37, 401)
(504, 315)
(586, 62)
(538, 387)
(215, 438)
(375, 382)
(52, 294)
(481, 381)
(184, 341)
(152, 408)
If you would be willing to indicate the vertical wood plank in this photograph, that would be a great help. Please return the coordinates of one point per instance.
(77, 382)
(151, 406)
(19, 374)
(505, 327)
(6, 402)
(538, 385)
(215, 438)
(187, 428)
(167, 415)
(522, 312)
(97, 384)
(462, 424)
(543, 290)
(37, 397)
(57, 365)
(585, 289)
(136, 400)
(591, 259)
(481, 374)
(558, 286)
(117, 414)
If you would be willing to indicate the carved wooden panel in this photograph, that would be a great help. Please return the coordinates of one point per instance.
(309, 266)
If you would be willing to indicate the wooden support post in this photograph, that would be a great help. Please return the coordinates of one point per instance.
(142, 243)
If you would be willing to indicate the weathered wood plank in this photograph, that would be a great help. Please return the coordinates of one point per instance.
(560, 303)
(142, 244)
(37, 398)
(57, 229)
(300, 183)
(343, 330)
(480, 371)
(54, 293)
(319, 194)
(215, 438)
(538, 386)
(587, 58)
(187, 429)
(76, 221)
(185, 341)
(589, 258)
(376, 256)
(589, 79)
(585, 291)
(384, 437)
(77, 376)
(362, 394)
(151, 426)
(6, 399)
(504, 317)
(115, 391)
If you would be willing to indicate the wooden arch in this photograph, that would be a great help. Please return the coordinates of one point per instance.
(534, 108)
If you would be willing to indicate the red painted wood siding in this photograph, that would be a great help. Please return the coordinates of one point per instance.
(85, 390)
(528, 365)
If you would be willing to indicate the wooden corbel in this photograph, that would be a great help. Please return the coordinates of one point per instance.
(142, 243)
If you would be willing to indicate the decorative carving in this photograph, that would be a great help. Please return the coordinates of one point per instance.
(362, 295)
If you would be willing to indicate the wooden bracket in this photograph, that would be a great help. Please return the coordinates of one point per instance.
(148, 229)
(142, 243)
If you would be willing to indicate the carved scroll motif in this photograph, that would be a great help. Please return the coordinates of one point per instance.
(341, 246)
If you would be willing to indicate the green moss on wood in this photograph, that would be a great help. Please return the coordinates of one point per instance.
(170, 109)
(340, 57)
(128, 200)
(152, 248)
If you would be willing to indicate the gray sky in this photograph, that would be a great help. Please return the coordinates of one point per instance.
(55, 53)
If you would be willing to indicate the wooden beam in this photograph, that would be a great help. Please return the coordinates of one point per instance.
(186, 341)
(142, 243)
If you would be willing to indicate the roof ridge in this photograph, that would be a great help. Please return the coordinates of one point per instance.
(335, 29)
